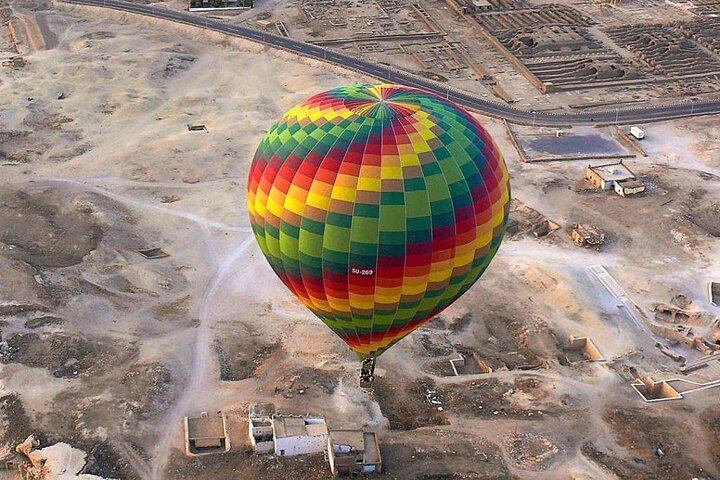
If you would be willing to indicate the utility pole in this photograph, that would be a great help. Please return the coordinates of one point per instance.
(617, 112)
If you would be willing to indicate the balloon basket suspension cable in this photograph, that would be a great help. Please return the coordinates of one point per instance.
(367, 372)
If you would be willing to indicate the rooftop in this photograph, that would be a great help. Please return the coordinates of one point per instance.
(299, 426)
(358, 441)
(631, 183)
(351, 438)
(613, 171)
(372, 450)
(211, 426)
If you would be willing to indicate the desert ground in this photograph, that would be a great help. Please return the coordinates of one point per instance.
(108, 351)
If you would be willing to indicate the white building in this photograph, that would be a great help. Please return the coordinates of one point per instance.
(629, 187)
(614, 176)
(299, 435)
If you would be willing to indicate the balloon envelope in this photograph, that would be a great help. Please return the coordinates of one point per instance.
(378, 206)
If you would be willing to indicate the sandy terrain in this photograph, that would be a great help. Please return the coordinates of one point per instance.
(108, 351)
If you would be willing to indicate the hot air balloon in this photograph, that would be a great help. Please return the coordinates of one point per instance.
(377, 206)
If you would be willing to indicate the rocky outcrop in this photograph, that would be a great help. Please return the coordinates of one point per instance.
(56, 462)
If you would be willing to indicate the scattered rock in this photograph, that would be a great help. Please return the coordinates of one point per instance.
(13, 308)
(42, 321)
(530, 451)
(56, 462)
(681, 301)
(169, 199)
(65, 355)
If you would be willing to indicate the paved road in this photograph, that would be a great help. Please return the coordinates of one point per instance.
(599, 117)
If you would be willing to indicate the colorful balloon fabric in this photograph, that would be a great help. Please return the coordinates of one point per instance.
(378, 206)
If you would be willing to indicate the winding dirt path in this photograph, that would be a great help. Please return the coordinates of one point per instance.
(200, 381)
(200, 376)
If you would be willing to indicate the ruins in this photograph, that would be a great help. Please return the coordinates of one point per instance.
(587, 236)
(501, 45)
(14, 62)
(153, 253)
(469, 364)
(586, 348)
(652, 391)
(714, 293)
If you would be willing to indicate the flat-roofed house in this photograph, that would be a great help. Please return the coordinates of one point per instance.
(353, 451)
(299, 435)
(615, 176)
(206, 434)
